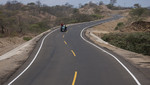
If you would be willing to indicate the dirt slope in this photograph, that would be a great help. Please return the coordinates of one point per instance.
(137, 26)
(102, 9)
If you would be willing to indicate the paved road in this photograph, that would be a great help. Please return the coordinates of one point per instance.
(65, 58)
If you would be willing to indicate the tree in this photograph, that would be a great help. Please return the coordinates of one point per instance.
(91, 4)
(137, 6)
(2, 26)
(13, 5)
(101, 3)
(69, 5)
(31, 4)
(38, 4)
(112, 2)
(20, 23)
(2, 23)
(80, 5)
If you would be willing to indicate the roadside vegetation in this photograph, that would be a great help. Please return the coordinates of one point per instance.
(137, 42)
(119, 26)
(134, 35)
(27, 38)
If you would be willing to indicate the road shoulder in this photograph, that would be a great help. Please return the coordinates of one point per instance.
(11, 61)
(140, 61)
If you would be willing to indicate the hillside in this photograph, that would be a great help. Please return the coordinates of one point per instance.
(130, 33)
(17, 18)
(137, 27)
(94, 9)
(20, 23)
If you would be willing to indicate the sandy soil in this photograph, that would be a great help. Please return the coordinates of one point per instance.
(10, 65)
(138, 60)
(18, 52)
(106, 27)
(9, 43)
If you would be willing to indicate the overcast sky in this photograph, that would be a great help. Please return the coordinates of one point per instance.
(144, 3)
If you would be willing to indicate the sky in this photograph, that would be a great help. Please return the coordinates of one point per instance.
(125, 3)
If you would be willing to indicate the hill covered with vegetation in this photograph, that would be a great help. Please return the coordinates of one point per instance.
(19, 19)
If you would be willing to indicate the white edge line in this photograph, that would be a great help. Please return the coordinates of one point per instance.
(33, 58)
(136, 80)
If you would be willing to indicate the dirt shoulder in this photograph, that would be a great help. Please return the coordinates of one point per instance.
(13, 54)
(9, 43)
(140, 61)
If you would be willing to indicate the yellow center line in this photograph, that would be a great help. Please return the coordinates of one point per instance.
(74, 79)
(65, 42)
(73, 53)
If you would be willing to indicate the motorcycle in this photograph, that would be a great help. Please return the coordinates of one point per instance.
(63, 28)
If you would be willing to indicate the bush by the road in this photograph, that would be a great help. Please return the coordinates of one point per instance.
(119, 26)
(27, 38)
(137, 42)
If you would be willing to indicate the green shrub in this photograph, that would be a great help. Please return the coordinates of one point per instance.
(27, 38)
(97, 16)
(1, 35)
(39, 27)
(137, 42)
(119, 26)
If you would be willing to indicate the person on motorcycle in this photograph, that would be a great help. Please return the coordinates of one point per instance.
(63, 28)
(62, 24)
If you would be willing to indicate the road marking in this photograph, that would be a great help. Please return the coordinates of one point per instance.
(135, 79)
(73, 53)
(33, 58)
(75, 77)
(63, 36)
(65, 42)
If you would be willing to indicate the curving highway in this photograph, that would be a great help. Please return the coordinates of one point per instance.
(68, 58)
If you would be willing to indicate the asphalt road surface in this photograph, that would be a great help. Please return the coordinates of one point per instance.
(66, 58)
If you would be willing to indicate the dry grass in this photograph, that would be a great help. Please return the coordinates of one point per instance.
(107, 27)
